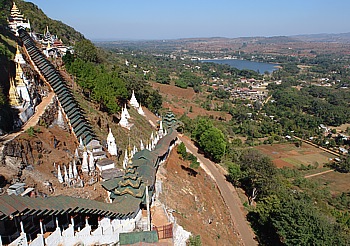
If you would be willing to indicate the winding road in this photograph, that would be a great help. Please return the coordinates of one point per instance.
(228, 193)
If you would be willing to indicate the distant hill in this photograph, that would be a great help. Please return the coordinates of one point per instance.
(324, 37)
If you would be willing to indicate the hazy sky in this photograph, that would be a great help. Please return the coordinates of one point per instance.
(169, 19)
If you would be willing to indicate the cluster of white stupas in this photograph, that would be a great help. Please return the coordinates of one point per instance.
(125, 116)
(150, 145)
(70, 176)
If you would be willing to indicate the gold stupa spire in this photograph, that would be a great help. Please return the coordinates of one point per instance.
(13, 94)
(19, 75)
(17, 51)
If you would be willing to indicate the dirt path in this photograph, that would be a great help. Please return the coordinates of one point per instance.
(317, 146)
(228, 193)
(316, 174)
(33, 121)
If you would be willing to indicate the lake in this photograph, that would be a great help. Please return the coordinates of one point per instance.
(260, 67)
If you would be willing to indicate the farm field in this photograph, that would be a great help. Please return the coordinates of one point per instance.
(335, 181)
(288, 155)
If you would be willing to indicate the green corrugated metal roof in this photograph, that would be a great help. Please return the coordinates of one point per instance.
(111, 184)
(137, 237)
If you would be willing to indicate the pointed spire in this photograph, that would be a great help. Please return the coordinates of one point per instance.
(126, 159)
(18, 57)
(111, 145)
(133, 100)
(141, 145)
(124, 120)
(84, 165)
(66, 178)
(13, 94)
(75, 170)
(91, 162)
(127, 115)
(76, 154)
(81, 144)
(59, 174)
(70, 171)
(160, 131)
(140, 110)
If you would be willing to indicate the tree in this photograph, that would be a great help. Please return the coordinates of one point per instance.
(86, 50)
(163, 76)
(202, 125)
(181, 149)
(298, 223)
(258, 173)
(213, 143)
(234, 173)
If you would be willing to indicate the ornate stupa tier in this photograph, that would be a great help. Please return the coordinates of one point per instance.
(19, 76)
(13, 94)
(133, 100)
(16, 19)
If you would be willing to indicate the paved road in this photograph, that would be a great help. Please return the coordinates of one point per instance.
(228, 193)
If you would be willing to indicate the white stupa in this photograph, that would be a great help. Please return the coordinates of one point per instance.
(19, 57)
(111, 145)
(70, 171)
(75, 170)
(91, 162)
(140, 110)
(160, 131)
(76, 154)
(81, 144)
(133, 101)
(124, 121)
(66, 178)
(141, 145)
(21, 85)
(85, 165)
(59, 174)
(126, 113)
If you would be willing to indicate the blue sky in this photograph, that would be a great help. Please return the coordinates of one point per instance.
(165, 19)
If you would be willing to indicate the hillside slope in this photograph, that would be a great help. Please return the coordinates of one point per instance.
(39, 21)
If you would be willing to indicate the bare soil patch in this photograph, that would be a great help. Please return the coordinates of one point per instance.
(280, 163)
(197, 203)
(335, 181)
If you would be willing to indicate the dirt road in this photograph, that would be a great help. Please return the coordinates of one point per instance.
(33, 121)
(316, 174)
(228, 193)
